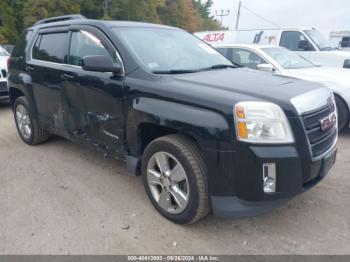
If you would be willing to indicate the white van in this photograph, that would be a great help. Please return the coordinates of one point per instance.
(307, 42)
(341, 39)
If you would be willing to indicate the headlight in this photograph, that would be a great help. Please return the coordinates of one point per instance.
(262, 122)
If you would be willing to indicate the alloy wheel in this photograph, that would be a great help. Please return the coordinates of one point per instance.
(23, 122)
(168, 182)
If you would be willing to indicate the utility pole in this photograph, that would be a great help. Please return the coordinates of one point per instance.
(222, 14)
(238, 14)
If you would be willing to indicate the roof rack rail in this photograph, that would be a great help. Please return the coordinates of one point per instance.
(59, 19)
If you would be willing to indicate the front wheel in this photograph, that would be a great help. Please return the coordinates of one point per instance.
(174, 176)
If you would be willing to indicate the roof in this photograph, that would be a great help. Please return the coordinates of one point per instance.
(80, 20)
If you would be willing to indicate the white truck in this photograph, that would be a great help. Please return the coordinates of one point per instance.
(309, 43)
(341, 39)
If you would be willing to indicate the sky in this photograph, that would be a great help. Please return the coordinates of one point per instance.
(324, 15)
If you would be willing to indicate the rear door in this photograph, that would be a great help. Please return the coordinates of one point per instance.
(46, 66)
(94, 100)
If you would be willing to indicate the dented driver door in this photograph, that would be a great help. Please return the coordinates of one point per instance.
(94, 100)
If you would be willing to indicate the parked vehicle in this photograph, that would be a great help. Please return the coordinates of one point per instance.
(202, 133)
(8, 48)
(4, 56)
(284, 62)
(340, 39)
(308, 43)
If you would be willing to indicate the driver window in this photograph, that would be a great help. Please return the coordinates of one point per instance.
(84, 43)
(292, 39)
(246, 58)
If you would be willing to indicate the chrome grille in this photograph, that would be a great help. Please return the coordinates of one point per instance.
(320, 141)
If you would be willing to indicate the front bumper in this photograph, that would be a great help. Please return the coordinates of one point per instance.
(246, 198)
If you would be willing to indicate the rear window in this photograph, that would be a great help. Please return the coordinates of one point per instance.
(19, 49)
(51, 47)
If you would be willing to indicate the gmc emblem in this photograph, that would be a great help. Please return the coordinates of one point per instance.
(328, 122)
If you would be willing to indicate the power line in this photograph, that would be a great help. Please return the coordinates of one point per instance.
(261, 17)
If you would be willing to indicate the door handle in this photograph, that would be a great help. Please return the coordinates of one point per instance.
(30, 68)
(67, 76)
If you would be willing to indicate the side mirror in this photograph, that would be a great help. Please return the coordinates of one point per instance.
(266, 67)
(304, 45)
(100, 63)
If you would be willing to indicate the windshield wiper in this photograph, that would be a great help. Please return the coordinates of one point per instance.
(188, 71)
(175, 71)
(214, 67)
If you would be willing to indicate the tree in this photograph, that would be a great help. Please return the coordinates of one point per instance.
(8, 26)
(191, 15)
(208, 22)
(192, 22)
(39, 9)
(92, 9)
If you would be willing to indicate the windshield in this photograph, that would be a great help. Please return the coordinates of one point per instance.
(287, 59)
(170, 50)
(322, 43)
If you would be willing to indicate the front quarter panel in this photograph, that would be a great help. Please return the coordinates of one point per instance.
(208, 128)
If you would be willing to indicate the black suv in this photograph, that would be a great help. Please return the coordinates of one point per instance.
(203, 134)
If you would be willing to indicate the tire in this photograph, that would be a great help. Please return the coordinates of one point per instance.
(343, 113)
(37, 135)
(187, 154)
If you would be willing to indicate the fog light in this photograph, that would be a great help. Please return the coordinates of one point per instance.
(269, 177)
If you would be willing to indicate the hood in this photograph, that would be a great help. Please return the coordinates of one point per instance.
(233, 85)
(331, 76)
(253, 83)
(344, 54)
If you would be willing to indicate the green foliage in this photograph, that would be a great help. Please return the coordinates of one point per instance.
(191, 15)
(8, 22)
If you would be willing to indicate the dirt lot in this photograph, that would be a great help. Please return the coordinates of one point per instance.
(61, 198)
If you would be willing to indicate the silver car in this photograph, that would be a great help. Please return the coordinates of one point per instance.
(4, 56)
(281, 61)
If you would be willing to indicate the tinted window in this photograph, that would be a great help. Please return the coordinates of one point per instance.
(345, 42)
(19, 49)
(83, 44)
(291, 40)
(51, 47)
(223, 51)
(246, 58)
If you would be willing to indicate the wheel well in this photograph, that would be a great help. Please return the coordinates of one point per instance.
(14, 94)
(149, 132)
(346, 104)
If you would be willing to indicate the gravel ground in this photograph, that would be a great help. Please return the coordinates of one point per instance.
(62, 198)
